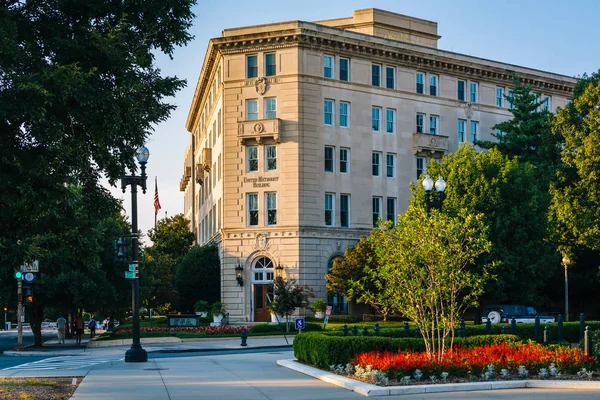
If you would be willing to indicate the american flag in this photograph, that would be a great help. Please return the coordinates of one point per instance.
(156, 201)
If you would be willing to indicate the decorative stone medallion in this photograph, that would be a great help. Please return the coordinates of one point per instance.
(261, 242)
(261, 85)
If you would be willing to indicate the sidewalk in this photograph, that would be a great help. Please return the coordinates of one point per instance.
(154, 345)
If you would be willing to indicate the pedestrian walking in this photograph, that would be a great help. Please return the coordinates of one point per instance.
(61, 325)
(92, 326)
(79, 329)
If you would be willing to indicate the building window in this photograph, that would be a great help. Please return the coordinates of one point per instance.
(271, 208)
(376, 210)
(270, 107)
(376, 163)
(251, 110)
(263, 270)
(462, 124)
(271, 154)
(252, 152)
(328, 112)
(391, 209)
(252, 66)
(375, 118)
(474, 131)
(390, 120)
(420, 79)
(547, 103)
(252, 209)
(390, 165)
(344, 161)
(270, 64)
(510, 98)
(433, 85)
(328, 67)
(344, 112)
(390, 77)
(345, 210)
(473, 88)
(375, 74)
(344, 69)
(499, 135)
(433, 124)
(499, 96)
(329, 200)
(420, 123)
(329, 158)
(420, 166)
(461, 90)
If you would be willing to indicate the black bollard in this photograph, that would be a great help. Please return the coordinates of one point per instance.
(513, 326)
(406, 329)
(561, 329)
(488, 327)
(345, 330)
(537, 335)
(376, 329)
(244, 337)
(504, 330)
(365, 332)
(581, 326)
(461, 328)
(546, 335)
(354, 331)
(587, 342)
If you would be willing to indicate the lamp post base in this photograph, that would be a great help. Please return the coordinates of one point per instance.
(136, 355)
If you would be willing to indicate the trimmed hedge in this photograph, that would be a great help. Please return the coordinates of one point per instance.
(323, 350)
(527, 331)
(266, 328)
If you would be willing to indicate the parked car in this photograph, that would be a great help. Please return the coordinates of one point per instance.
(522, 314)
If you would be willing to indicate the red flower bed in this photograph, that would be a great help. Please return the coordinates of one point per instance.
(462, 361)
(208, 330)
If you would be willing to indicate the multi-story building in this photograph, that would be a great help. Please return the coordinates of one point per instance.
(303, 134)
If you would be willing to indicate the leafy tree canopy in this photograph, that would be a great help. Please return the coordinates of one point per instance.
(197, 277)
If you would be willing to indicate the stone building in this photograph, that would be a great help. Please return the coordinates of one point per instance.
(302, 134)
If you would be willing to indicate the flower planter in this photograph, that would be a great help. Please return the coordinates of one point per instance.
(319, 314)
(217, 319)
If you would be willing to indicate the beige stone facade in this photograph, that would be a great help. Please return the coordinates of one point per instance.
(303, 133)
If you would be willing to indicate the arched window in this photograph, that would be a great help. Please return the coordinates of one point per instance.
(263, 270)
(337, 301)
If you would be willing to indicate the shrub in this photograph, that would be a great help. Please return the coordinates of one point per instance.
(330, 348)
(527, 331)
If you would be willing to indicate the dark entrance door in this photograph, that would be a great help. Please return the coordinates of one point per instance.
(262, 294)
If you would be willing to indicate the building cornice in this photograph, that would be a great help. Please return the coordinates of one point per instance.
(383, 50)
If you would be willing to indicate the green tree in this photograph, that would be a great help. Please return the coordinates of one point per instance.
(288, 296)
(576, 196)
(171, 241)
(79, 92)
(197, 277)
(430, 268)
(514, 206)
(528, 135)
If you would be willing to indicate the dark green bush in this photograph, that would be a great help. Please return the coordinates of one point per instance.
(329, 348)
(527, 331)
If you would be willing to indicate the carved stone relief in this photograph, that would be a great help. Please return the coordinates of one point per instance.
(261, 85)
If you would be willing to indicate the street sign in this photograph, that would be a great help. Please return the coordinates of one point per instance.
(32, 267)
(328, 311)
(132, 267)
(129, 274)
(299, 323)
(29, 277)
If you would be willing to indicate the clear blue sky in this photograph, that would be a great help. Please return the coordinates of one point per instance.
(555, 36)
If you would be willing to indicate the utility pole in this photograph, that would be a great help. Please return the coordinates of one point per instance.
(20, 314)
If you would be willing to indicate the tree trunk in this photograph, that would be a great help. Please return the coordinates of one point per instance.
(36, 316)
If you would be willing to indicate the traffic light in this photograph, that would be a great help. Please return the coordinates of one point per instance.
(5, 309)
(28, 294)
(18, 273)
(120, 247)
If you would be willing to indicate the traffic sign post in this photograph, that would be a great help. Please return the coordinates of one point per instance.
(32, 267)
(299, 324)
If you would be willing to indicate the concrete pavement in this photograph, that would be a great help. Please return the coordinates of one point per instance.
(247, 375)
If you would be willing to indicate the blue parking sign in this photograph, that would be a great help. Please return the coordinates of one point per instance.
(299, 323)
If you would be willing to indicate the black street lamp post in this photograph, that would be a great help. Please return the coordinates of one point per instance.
(435, 200)
(136, 353)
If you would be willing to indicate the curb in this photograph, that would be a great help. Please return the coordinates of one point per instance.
(367, 389)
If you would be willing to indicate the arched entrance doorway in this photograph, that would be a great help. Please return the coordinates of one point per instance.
(262, 281)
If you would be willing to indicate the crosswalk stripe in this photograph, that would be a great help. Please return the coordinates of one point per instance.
(57, 363)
